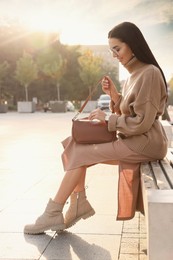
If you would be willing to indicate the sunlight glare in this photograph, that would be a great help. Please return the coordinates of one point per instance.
(43, 22)
(75, 33)
(70, 30)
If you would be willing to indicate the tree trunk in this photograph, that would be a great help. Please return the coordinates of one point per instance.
(90, 90)
(26, 91)
(58, 91)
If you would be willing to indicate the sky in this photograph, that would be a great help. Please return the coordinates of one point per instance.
(89, 21)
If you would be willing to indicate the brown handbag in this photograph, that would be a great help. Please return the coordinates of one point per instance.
(85, 131)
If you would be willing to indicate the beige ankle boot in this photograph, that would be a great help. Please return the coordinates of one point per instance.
(79, 208)
(52, 218)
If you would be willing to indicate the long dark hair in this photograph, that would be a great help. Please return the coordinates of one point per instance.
(130, 34)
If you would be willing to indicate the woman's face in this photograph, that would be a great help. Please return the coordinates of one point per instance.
(120, 50)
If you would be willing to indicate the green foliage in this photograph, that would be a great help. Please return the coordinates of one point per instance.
(4, 70)
(26, 71)
(71, 83)
(51, 64)
(91, 69)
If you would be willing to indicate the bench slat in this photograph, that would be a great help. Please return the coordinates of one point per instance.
(160, 178)
(169, 156)
(147, 176)
(168, 171)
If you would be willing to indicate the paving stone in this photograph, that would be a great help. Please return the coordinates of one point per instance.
(128, 257)
(143, 257)
(143, 246)
(130, 246)
(130, 235)
(19, 246)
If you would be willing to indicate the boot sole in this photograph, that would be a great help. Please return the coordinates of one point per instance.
(85, 216)
(58, 229)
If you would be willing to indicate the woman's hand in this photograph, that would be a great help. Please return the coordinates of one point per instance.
(109, 88)
(97, 114)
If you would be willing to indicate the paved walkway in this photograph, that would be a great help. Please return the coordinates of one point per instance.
(30, 172)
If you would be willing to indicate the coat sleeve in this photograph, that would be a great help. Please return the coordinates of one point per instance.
(143, 107)
(115, 107)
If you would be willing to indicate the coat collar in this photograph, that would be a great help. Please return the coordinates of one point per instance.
(133, 65)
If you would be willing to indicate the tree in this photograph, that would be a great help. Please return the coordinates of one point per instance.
(52, 66)
(4, 68)
(71, 83)
(91, 69)
(26, 71)
(112, 71)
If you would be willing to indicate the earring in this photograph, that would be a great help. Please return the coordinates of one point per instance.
(133, 55)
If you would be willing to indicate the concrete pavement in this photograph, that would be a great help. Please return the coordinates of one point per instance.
(30, 173)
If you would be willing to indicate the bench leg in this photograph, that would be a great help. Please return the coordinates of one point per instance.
(159, 218)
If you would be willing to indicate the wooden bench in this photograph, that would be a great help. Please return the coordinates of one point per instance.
(157, 191)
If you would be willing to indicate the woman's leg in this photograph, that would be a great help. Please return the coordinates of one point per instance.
(81, 183)
(73, 180)
(52, 218)
(79, 207)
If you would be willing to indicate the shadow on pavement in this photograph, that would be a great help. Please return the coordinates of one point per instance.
(66, 246)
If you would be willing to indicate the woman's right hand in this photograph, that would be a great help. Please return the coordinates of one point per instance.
(108, 86)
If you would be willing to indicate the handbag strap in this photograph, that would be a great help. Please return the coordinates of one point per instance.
(88, 98)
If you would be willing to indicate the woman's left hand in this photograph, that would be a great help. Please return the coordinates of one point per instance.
(97, 114)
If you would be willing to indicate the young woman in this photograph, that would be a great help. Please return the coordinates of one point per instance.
(141, 137)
